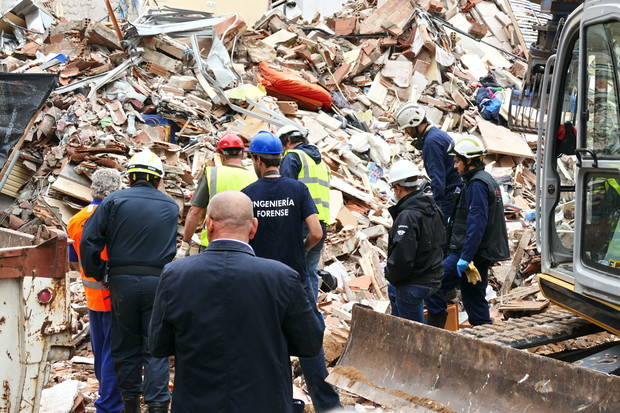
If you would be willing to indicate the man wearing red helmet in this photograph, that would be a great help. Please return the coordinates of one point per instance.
(231, 175)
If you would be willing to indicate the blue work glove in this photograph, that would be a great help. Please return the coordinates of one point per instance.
(461, 266)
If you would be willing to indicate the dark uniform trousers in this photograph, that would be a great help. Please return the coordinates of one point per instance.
(132, 303)
(473, 296)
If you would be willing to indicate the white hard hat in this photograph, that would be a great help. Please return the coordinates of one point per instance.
(467, 146)
(286, 129)
(146, 162)
(409, 115)
(401, 171)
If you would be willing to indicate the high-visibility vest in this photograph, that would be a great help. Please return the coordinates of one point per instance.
(612, 183)
(225, 178)
(316, 178)
(613, 250)
(97, 295)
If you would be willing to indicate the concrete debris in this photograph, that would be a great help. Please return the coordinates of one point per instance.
(177, 86)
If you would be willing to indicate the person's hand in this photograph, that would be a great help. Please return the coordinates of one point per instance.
(461, 266)
(183, 250)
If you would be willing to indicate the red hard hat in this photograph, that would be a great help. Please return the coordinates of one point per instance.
(230, 141)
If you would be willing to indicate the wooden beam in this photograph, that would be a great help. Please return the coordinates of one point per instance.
(516, 28)
(516, 261)
(114, 21)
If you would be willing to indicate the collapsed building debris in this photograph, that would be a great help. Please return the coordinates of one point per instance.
(177, 80)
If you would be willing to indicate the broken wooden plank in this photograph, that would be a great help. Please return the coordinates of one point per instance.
(72, 184)
(378, 278)
(350, 190)
(516, 261)
(501, 140)
(520, 293)
(517, 29)
(328, 121)
(524, 306)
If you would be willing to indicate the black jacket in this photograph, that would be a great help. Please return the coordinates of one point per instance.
(232, 320)
(416, 241)
(138, 225)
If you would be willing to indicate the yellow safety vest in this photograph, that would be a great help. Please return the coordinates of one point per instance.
(612, 183)
(225, 178)
(316, 178)
(613, 250)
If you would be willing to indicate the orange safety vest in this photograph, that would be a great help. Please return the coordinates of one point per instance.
(97, 295)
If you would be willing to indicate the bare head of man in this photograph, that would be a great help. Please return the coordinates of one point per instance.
(230, 215)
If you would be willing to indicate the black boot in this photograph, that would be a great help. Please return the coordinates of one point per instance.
(132, 405)
(158, 407)
(437, 320)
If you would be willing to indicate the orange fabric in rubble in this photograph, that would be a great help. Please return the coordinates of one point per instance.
(289, 82)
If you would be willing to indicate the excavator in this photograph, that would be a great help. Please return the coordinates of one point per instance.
(572, 101)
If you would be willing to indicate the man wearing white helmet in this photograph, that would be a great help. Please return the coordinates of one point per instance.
(303, 162)
(477, 234)
(138, 226)
(416, 241)
(434, 144)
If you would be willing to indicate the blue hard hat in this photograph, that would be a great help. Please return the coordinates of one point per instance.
(265, 143)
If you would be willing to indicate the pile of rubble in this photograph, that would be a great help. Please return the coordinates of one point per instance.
(175, 81)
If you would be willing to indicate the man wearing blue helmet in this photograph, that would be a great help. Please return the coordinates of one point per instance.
(282, 206)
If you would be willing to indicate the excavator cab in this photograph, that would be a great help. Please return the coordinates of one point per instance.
(579, 168)
(412, 367)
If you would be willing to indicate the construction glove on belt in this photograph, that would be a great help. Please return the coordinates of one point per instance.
(183, 250)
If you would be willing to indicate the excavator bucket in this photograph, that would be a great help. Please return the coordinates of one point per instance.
(412, 367)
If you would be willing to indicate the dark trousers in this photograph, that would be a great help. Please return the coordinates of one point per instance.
(407, 301)
(132, 303)
(313, 257)
(323, 395)
(474, 296)
(447, 207)
(109, 400)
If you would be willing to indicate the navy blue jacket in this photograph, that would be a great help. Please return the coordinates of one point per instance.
(477, 201)
(291, 164)
(440, 169)
(139, 227)
(232, 320)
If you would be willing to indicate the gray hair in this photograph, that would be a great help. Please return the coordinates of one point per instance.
(104, 182)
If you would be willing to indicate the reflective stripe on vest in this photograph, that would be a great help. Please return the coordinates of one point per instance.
(316, 178)
(225, 178)
(97, 295)
(95, 285)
